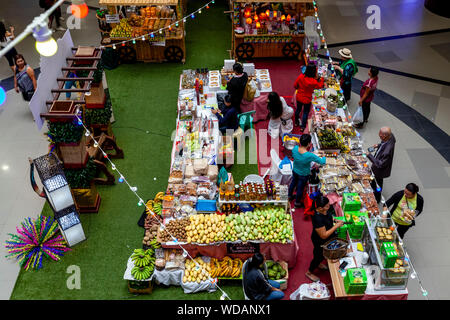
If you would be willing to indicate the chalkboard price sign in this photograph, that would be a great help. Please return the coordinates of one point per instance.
(248, 247)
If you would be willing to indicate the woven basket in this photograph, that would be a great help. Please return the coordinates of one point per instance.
(335, 254)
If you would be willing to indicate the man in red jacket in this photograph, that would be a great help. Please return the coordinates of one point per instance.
(306, 84)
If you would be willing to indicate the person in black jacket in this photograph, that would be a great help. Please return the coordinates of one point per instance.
(324, 230)
(382, 160)
(256, 285)
(403, 203)
(236, 85)
(228, 117)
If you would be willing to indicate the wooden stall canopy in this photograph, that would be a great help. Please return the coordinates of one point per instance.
(262, 1)
(139, 2)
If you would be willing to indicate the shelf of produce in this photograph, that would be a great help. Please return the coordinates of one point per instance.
(230, 278)
(272, 250)
(270, 35)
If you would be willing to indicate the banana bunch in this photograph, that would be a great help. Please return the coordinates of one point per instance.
(226, 268)
(157, 208)
(143, 257)
(155, 205)
(149, 206)
(155, 244)
(215, 267)
(141, 273)
(159, 197)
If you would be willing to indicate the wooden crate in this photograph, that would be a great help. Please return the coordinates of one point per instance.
(73, 155)
(87, 200)
(97, 98)
(147, 290)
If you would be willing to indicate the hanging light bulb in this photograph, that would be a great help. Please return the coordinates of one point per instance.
(192, 16)
(255, 17)
(207, 6)
(134, 189)
(121, 179)
(113, 166)
(200, 11)
(152, 35)
(141, 202)
(288, 18)
(413, 275)
(249, 20)
(176, 24)
(2, 96)
(45, 44)
(267, 12)
(79, 9)
(95, 144)
(184, 20)
(258, 25)
(87, 133)
(134, 41)
(143, 38)
(105, 155)
(114, 46)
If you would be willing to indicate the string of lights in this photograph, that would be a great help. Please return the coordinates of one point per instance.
(414, 274)
(141, 202)
(160, 31)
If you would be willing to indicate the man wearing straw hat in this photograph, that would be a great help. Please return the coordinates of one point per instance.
(346, 71)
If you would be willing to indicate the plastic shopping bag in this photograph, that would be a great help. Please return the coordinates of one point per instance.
(358, 117)
(223, 176)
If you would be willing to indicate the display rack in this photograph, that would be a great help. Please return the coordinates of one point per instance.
(386, 278)
(166, 46)
(287, 42)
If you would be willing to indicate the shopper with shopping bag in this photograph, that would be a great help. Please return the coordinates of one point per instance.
(366, 95)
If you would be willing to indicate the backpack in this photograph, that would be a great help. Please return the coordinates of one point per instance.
(250, 91)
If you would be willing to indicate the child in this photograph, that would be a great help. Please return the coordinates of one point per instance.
(367, 93)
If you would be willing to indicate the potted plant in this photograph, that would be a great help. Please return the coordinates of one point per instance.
(83, 188)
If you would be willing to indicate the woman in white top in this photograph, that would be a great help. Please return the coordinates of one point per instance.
(5, 38)
(280, 115)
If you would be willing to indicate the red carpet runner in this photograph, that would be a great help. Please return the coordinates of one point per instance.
(283, 75)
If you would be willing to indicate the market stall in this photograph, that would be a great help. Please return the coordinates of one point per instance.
(376, 266)
(152, 21)
(269, 29)
(204, 214)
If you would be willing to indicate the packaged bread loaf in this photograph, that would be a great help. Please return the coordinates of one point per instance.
(200, 166)
(213, 172)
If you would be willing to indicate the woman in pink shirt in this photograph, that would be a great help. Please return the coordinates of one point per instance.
(366, 94)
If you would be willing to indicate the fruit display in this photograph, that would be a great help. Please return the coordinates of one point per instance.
(269, 224)
(330, 139)
(144, 263)
(275, 271)
(135, 20)
(122, 30)
(192, 273)
(175, 228)
(230, 268)
(205, 228)
(155, 205)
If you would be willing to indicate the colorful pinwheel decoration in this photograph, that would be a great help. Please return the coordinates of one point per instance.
(35, 240)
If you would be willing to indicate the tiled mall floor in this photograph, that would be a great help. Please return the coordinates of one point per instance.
(415, 159)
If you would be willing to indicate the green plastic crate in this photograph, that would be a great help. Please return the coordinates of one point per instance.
(351, 202)
(355, 281)
(361, 216)
(355, 232)
(348, 215)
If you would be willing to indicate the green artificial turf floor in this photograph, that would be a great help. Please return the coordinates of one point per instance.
(144, 100)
